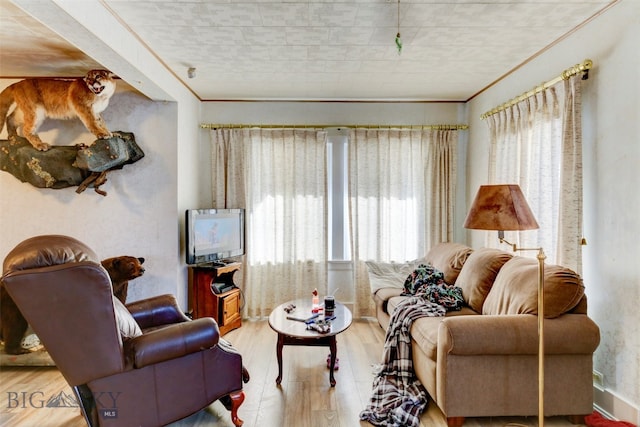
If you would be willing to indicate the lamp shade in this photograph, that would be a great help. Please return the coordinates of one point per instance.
(500, 207)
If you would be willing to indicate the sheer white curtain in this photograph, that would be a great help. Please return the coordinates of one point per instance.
(570, 230)
(441, 170)
(279, 177)
(402, 189)
(536, 143)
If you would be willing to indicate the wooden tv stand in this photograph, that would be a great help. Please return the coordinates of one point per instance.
(205, 281)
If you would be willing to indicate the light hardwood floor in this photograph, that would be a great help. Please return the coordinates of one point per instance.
(304, 398)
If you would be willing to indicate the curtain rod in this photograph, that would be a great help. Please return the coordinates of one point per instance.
(417, 127)
(578, 68)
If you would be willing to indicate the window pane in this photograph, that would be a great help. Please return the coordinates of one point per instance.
(339, 247)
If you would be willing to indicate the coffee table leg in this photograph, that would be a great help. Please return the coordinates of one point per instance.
(279, 355)
(334, 350)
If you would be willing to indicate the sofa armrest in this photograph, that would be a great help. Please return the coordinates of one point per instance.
(172, 342)
(516, 334)
(157, 311)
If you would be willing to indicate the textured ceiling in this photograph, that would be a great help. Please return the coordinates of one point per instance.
(312, 50)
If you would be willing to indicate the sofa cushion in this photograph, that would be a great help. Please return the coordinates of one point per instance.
(515, 290)
(389, 274)
(448, 258)
(478, 274)
(424, 331)
(393, 302)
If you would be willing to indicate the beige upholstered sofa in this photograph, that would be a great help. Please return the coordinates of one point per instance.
(483, 360)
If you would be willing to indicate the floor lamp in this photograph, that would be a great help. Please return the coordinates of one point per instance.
(504, 208)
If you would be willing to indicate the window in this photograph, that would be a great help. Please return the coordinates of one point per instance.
(337, 194)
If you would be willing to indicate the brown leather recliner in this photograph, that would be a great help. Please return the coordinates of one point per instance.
(146, 364)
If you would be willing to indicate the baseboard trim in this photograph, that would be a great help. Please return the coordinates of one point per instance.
(614, 407)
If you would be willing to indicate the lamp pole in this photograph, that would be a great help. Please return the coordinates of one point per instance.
(541, 257)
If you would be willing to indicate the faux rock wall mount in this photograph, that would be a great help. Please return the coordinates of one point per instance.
(69, 166)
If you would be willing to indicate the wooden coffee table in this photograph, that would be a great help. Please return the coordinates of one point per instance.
(292, 332)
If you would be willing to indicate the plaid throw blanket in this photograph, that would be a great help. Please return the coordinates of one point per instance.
(398, 397)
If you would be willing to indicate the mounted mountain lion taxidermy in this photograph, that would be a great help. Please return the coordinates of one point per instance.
(37, 99)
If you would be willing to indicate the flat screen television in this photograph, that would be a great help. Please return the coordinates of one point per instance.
(214, 235)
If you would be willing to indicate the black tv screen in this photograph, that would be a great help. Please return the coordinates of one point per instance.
(214, 235)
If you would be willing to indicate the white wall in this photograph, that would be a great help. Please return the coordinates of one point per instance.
(611, 122)
(137, 217)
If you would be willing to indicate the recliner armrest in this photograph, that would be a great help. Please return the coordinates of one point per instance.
(156, 311)
(172, 342)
